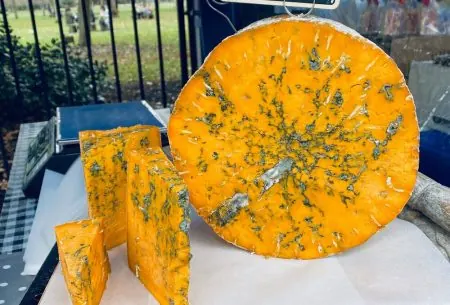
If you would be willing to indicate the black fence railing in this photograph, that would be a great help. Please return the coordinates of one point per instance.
(64, 49)
(181, 13)
(12, 58)
(42, 77)
(113, 50)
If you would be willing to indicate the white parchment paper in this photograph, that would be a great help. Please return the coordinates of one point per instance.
(63, 198)
(397, 266)
(37, 250)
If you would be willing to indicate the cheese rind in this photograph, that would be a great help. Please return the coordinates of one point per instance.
(158, 221)
(310, 152)
(84, 260)
(103, 154)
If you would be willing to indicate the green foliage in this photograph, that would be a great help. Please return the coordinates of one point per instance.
(33, 106)
(124, 35)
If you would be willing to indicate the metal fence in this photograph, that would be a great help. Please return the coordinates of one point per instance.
(182, 14)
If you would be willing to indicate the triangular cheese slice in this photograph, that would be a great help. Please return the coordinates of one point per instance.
(84, 260)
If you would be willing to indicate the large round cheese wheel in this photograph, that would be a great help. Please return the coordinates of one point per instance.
(297, 138)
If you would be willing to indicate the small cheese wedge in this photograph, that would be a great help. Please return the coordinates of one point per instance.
(158, 221)
(104, 163)
(84, 260)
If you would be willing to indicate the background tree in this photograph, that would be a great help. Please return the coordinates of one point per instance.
(114, 8)
(14, 7)
(82, 40)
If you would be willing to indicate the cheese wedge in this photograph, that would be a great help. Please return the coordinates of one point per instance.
(158, 221)
(105, 165)
(84, 260)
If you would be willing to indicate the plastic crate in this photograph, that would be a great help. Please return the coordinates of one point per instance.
(435, 156)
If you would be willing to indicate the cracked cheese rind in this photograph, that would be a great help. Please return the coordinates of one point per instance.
(103, 154)
(84, 260)
(297, 138)
(158, 222)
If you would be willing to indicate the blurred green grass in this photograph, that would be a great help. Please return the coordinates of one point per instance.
(124, 36)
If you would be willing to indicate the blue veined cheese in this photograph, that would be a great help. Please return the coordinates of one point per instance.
(84, 261)
(158, 222)
(297, 138)
(103, 155)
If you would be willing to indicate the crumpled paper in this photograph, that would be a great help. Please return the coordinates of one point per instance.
(36, 250)
(429, 209)
(439, 237)
(62, 201)
(399, 265)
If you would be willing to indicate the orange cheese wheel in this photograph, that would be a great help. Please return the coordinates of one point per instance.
(297, 138)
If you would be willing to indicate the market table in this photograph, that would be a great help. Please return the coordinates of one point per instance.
(17, 214)
(16, 219)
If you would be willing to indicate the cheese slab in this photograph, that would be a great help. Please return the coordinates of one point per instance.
(84, 260)
(104, 165)
(158, 221)
(297, 138)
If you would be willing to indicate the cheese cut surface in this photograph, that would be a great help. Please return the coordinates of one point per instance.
(297, 138)
(158, 221)
(95, 138)
(105, 166)
(84, 260)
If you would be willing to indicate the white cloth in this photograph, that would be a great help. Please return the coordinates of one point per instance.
(397, 266)
(36, 250)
